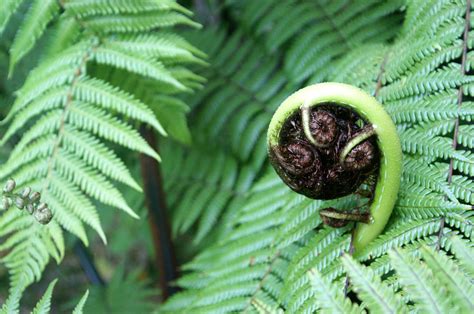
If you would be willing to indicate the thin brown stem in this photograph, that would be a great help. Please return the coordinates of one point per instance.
(460, 90)
(155, 198)
(378, 86)
(459, 102)
(262, 280)
(351, 252)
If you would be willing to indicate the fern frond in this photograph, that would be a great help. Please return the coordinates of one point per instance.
(328, 297)
(464, 252)
(135, 64)
(80, 305)
(419, 281)
(403, 233)
(264, 308)
(418, 143)
(38, 17)
(8, 9)
(377, 297)
(208, 191)
(139, 22)
(97, 155)
(422, 174)
(112, 98)
(84, 8)
(29, 248)
(125, 293)
(417, 84)
(65, 110)
(44, 304)
(305, 217)
(447, 272)
(163, 46)
(417, 77)
(297, 283)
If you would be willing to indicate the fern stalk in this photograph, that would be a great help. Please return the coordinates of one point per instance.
(155, 199)
(467, 24)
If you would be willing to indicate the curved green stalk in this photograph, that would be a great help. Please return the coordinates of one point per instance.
(388, 181)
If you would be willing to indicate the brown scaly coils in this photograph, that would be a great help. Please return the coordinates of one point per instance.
(26, 199)
(316, 171)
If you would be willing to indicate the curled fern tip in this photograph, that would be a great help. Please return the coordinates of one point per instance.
(331, 140)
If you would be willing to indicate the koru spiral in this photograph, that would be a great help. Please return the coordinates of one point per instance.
(326, 141)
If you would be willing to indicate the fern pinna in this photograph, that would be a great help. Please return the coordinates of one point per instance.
(75, 104)
(272, 251)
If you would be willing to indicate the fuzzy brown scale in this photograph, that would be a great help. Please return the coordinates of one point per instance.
(316, 172)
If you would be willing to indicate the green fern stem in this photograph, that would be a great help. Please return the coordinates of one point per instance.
(369, 109)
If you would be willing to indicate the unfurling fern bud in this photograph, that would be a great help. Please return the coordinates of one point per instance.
(35, 197)
(26, 192)
(312, 144)
(361, 157)
(30, 208)
(6, 202)
(323, 127)
(19, 202)
(345, 138)
(296, 162)
(43, 214)
(28, 200)
(9, 186)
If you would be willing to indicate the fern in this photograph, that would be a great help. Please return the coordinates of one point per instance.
(418, 77)
(43, 305)
(123, 293)
(376, 295)
(108, 68)
(330, 299)
(66, 119)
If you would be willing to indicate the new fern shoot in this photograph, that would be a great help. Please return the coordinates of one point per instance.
(28, 200)
(329, 140)
(83, 79)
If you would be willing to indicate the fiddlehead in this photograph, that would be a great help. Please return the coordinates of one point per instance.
(26, 199)
(326, 140)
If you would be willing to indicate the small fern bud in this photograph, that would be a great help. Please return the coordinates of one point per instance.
(19, 202)
(9, 186)
(323, 127)
(43, 215)
(299, 165)
(30, 208)
(362, 157)
(26, 191)
(35, 197)
(6, 203)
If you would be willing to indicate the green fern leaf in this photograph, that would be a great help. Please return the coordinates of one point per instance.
(376, 295)
(464, 252)
(44, 304)
(461, 290)
(80, 305)
(418, 280)
(328, 297)
(9, 8)
(38, 17)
